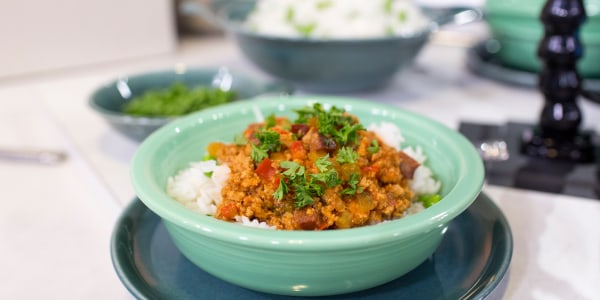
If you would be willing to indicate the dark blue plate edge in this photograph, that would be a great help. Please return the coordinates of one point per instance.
(501, 254)
(127, 224)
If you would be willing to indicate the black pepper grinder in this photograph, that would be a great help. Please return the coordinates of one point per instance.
(558, 136)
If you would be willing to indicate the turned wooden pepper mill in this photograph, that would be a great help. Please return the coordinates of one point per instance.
(558, 135)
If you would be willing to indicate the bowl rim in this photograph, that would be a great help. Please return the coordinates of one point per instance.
(469, 183)
(178, 69)
(223, 20)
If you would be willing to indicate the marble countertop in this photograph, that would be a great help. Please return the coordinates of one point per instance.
(57, 220)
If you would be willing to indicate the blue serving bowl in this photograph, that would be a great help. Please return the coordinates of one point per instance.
(333, 66)
(109, 99)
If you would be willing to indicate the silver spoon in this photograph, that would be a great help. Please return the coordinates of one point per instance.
(46, 157)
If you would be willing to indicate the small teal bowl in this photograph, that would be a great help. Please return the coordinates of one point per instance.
(337, 65)
(304, 263)
(109, 99)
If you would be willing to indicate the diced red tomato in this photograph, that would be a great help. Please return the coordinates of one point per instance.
(227, 211)
(369, 169)
(297, 150)
(265, 170)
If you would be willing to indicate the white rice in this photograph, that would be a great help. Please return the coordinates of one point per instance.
(336, 19)
(423, 182)
(202, 193)
(194, 189)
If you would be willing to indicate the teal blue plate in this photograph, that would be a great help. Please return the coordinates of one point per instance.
(470, 263)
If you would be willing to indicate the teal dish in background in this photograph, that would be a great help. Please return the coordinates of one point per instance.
(463, 267)
(333, 66)
(109, 99)
(304, 263)
(515, 24)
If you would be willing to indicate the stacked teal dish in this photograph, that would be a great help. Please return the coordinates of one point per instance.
(515, 24)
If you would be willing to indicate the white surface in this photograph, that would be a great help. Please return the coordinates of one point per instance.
(41, 36)
(57, 220)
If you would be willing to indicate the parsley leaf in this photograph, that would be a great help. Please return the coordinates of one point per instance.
(270, 121)
(333, 123)
(293, 169)
(282, 189)
(374, 148)
(240, 139)
(347, 155)
(353, 183)
(268, 141)
(322, 163)
(258, 154)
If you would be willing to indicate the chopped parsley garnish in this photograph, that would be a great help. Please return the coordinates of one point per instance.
(333, 123)
(240, 139)
(176, 100)
(402, 16)
(387, 6)
(270, 121)
(281, 191)
(346, 155)
(322, 163)
(290, 13)
(258, 153)
(374, 148)
(293, 169)
(268, 141)
(353, 185)
(294, 178)
(321, 5)
(306, 186)
(429, 200)
(305, 29)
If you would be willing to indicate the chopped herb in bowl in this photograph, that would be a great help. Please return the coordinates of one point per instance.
(176, 100)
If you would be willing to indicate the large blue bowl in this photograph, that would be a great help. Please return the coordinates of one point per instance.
(333, 66)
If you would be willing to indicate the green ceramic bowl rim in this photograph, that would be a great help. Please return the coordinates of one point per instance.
(468, 185)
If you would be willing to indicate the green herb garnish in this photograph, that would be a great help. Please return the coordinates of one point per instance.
(270, 121)
(322, 163)
(346, 155)
(240, 139)
(289, 15)
(293, 169)
(305, 29)
(268, 141)
(295, 178)
(429, 199)
(258, 154)
(321, 5)
(374, 148)
(387, 6)
(176, 100)
(333, 123)
(353, 185)
(402, 16)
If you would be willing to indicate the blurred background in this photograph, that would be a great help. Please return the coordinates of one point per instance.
(42, 36)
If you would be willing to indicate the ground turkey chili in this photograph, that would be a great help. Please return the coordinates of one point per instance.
(321, 171)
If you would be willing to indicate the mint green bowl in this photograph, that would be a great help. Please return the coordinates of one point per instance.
(304, 263)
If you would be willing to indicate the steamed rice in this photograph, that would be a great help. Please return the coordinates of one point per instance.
(196, 190)
(336, 19)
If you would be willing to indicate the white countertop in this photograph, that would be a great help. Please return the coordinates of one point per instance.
(57, 220)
